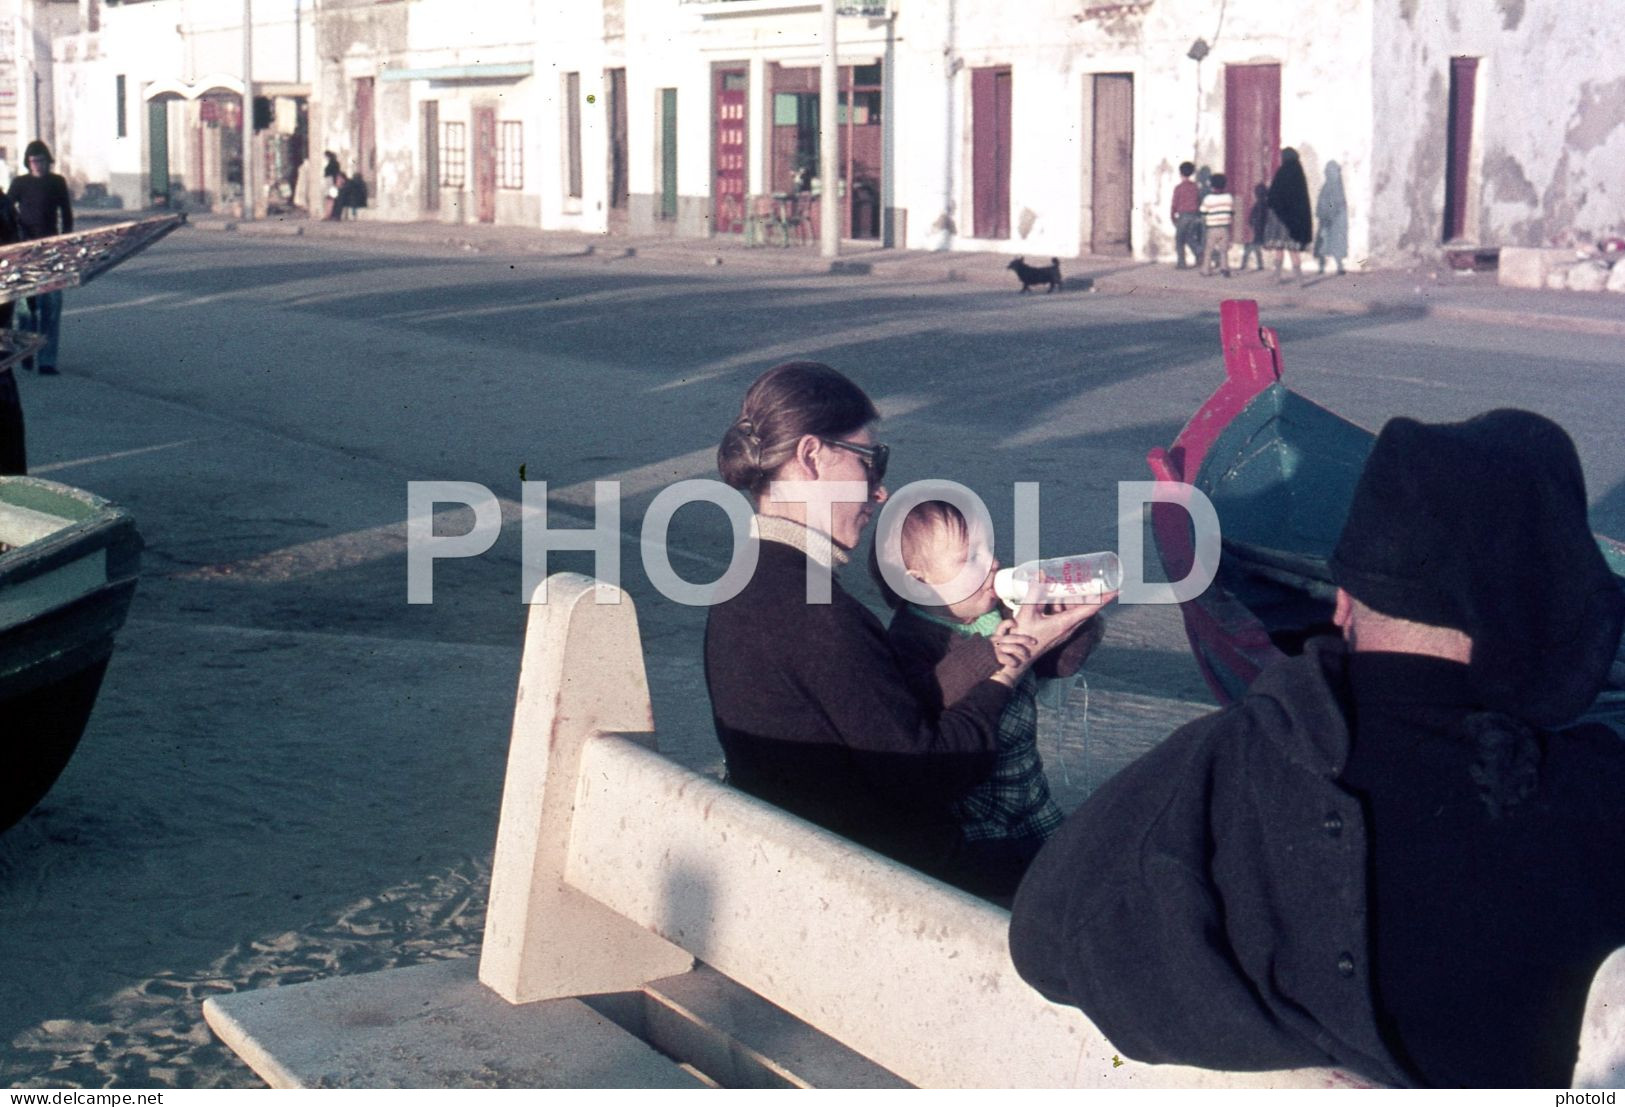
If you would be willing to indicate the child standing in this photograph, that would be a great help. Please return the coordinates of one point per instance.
(1187, 216)
(1218, 211)
(945, 651)
(1258, 218)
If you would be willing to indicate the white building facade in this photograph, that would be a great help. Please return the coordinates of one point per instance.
(1049, 128)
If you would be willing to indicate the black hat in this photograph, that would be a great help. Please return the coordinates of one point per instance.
(1481, 526)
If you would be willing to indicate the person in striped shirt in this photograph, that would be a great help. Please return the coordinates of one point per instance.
(1218, 213)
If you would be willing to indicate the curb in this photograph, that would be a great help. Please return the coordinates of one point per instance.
(1129, 283)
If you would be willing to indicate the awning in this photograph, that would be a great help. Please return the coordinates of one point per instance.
(497, 71)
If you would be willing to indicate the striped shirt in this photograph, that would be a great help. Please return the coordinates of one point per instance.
(1218, 209)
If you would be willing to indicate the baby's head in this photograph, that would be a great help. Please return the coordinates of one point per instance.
(936, 543)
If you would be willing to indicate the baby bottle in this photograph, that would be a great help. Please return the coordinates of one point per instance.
(1060, 579)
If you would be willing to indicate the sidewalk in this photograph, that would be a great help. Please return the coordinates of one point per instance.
(1436, 292)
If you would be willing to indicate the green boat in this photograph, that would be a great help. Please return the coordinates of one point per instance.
(1280, 472)
(68, 566)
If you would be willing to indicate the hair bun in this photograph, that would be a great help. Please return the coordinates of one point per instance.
(753, 441)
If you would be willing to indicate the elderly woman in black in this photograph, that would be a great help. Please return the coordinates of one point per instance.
(811, 709)
(1290, 225)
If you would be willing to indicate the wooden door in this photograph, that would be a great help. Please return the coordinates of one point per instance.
(363, 134)
(668, 153)
(1252, 133)
(1459, 145)
(485, 165)
(431, 156)
(158, 150)
(990, 151)
(1113, 184)
(728, 200)
(618, 190)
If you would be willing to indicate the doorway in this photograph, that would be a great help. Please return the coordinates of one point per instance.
(668, 154)
(1252, 132)
(1459, 146)
(485, 165)
(363, 133)
(619, 193)
(991, 91)
(158, 152)
(728, 201)
(1113, 163)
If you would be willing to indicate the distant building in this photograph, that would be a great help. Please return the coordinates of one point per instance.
(1045, 127)
(150, 98)
(27, 29)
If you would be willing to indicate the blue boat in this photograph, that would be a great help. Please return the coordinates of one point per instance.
(1280, 472)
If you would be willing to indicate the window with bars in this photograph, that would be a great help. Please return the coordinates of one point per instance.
(510, 154)
(454, 154)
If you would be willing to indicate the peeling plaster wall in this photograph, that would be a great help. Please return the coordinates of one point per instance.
(356, 39)
(1547, 163)
(359, 39)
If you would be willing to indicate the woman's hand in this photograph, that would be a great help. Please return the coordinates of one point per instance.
(1051, 624)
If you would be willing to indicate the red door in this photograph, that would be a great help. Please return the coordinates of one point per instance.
(990, 152)
(1458, 145)
(729, 198)
(485, 165)
(363, 134)
(1252, 133)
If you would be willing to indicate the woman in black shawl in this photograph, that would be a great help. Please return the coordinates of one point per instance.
(1289, 226)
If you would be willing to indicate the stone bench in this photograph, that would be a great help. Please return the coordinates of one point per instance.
(823, 964)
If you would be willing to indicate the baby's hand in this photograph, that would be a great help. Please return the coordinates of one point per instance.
(1014, 651)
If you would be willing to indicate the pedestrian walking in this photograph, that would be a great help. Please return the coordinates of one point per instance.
(1289, 222)
(44, 208)
(1187, 217)
(1258, 217)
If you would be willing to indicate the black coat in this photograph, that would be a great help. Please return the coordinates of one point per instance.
(1196, 907)
(1289, 200)
(815, 715)
(1209, 905)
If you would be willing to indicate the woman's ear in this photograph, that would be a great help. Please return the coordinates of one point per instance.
(809, 454)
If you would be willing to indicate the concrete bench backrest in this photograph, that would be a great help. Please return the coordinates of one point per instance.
(615, 867)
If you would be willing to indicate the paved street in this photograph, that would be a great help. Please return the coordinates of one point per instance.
(260, 404)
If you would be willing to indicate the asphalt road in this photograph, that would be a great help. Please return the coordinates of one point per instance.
(278, 708)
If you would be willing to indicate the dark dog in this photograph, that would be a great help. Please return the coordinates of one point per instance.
(1030, 275)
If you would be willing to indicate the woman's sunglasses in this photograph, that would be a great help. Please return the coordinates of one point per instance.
(874, 457)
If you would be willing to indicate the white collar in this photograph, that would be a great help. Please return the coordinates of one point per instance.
(814, 543)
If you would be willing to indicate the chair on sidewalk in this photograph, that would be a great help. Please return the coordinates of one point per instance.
(761, 219)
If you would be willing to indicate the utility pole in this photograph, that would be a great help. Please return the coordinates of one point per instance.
(829, 142)
(249, 190)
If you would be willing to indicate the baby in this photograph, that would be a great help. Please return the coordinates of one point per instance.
(944, 651)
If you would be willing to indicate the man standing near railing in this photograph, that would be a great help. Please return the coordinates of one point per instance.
(44, 208)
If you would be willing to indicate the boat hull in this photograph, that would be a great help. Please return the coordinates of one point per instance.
(65, 590)
(1280, 472)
